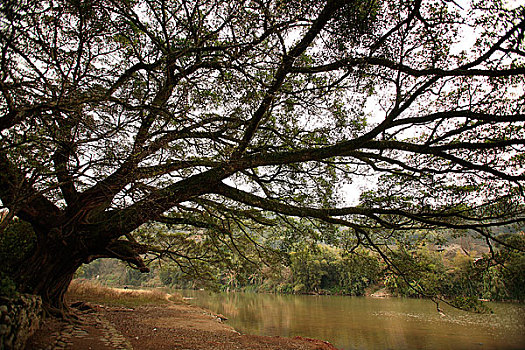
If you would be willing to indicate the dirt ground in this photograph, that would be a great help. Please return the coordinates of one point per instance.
(173, 326)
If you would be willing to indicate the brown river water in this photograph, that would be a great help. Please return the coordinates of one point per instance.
(368, 323)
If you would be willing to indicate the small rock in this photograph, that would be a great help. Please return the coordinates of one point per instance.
(221, 317)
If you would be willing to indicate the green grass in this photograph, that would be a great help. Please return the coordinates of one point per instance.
(92, 292)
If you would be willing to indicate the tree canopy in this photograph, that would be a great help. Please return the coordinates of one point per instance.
(225, 116)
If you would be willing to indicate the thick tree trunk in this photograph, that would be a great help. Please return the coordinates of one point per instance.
(58, 254)
(48, 273)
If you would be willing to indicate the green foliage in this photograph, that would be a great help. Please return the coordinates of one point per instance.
(498, 277)
(514, 277)
(418, 272)
(358, 272)
(323, 269)
(462, 279)
(470, 303)
(512, 266)
(113, 272)
(7, 286)
(16, 241)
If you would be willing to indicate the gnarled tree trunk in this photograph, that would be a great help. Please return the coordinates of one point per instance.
(48, 273)
(51, 266)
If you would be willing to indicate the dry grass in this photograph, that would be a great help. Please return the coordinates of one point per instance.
(84, 290)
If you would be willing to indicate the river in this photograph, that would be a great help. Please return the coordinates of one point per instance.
(368, 323)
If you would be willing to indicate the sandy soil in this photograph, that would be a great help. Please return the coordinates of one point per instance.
(173, 326)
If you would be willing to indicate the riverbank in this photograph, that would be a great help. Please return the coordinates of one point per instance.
(155, 326)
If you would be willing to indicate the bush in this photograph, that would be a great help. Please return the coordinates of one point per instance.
(498, 277)
(324, 269)
(423, 274)
(16, 242)
(7, 286)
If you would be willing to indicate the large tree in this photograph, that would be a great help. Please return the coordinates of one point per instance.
(212, 113)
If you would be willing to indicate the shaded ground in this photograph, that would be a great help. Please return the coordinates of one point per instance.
(172, 326)
(92, 330)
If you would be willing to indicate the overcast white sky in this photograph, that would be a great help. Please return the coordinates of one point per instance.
(351, 192)
(515, 3)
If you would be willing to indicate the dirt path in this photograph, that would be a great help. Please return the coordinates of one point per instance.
(91, 331)
(173, 326)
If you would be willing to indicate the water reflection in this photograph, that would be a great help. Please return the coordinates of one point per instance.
(367, 323)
